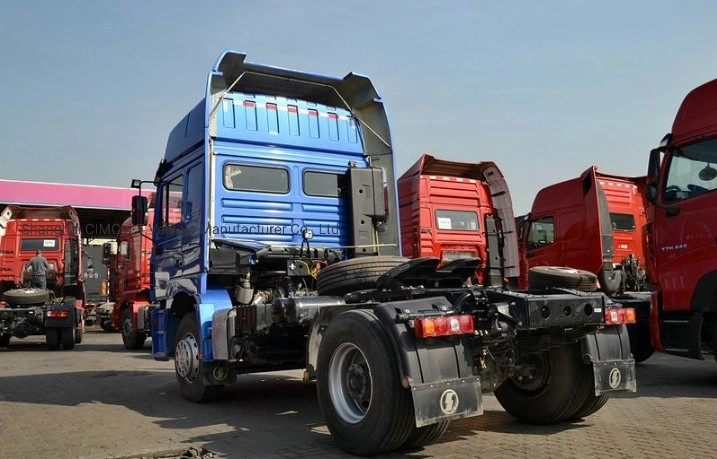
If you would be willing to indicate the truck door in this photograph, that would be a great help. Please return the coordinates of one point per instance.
(167, 259)
(685, 227)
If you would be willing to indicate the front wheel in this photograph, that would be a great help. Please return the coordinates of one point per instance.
(555, 390)
(132, 339)
(358, 386)
(188, 365)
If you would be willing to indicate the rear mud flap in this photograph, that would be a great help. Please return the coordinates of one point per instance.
(447, 400)
(614, 376)
(608, 351)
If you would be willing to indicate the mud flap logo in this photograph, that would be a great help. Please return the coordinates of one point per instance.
(615, 378)
(449, 401)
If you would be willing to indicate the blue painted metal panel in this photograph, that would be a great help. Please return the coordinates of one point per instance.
(212, 300)
(268, 120)
(188, 133)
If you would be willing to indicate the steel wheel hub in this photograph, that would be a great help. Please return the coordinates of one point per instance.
(350, 383)
(186, 357)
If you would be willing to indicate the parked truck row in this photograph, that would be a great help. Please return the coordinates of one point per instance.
(276, 236)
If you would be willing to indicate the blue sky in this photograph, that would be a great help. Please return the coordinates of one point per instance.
(90, 89)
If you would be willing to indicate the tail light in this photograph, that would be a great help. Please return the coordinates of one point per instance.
(617, 316)
(57, 314)
(430, 327)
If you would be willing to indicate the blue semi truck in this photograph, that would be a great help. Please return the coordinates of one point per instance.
(276, 246)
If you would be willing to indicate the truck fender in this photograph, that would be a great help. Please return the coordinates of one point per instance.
(608, 351)
(704, 298)
(441, 376)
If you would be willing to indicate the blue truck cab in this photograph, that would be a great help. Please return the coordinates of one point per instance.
(276, 243)
(254, 191)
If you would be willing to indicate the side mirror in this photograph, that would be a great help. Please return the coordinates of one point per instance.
(651, 193)
(109, 249)
(708, 173)
(139, 210)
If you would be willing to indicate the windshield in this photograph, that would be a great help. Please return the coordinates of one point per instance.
(692, 171)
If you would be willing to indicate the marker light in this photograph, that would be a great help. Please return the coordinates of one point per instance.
(430, 327)
(618, 316)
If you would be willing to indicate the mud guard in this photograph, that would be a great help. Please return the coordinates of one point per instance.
(608, 351)
(440, 373)
(70, 320)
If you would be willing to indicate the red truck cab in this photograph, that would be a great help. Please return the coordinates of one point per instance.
(593, 222)
(454, 210)
(56, 311)
(131, 274)
(682, 228)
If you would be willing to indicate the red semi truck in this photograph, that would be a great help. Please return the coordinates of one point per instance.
(130, 289)
(682, 229)
(453, 210)
(56, 311)
(593, 224)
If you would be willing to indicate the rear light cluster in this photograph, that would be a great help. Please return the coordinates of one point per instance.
(617, 316)
(57, 314)
(430, 327)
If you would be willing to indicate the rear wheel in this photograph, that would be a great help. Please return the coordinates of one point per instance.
(79, 334)
(554, 390)
(188, 365)
(67, 336)
(132, 339)
(357, 274)
(422, 436)
(358, 386)
(4, 340)
(52, 335)
(640, 343)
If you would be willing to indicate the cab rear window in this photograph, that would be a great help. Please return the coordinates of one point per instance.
(38, 244)
(623, 222)
(242, 177)
(456, 220)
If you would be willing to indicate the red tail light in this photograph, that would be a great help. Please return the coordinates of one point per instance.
(57, 314)
(617, 316)
(430, 327)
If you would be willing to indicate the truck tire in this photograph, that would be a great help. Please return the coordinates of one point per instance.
(107, 326)
(541, 277)
(640, 342)
(591, 405)
(358, 386)
(52, 335)
(552, 395)
(356, 274)
(5, 340)
(188, 366)
(67, 336)
(79, 334)
(26, 296)
(132, 339)
(426, 435)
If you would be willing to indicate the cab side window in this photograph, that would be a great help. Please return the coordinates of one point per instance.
(541, 232)
(172, 202)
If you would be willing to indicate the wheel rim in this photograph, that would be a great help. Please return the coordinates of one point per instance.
(538, 376)
(350, 383)
(186, 357)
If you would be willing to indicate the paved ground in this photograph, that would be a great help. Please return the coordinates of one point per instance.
(101, 401)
